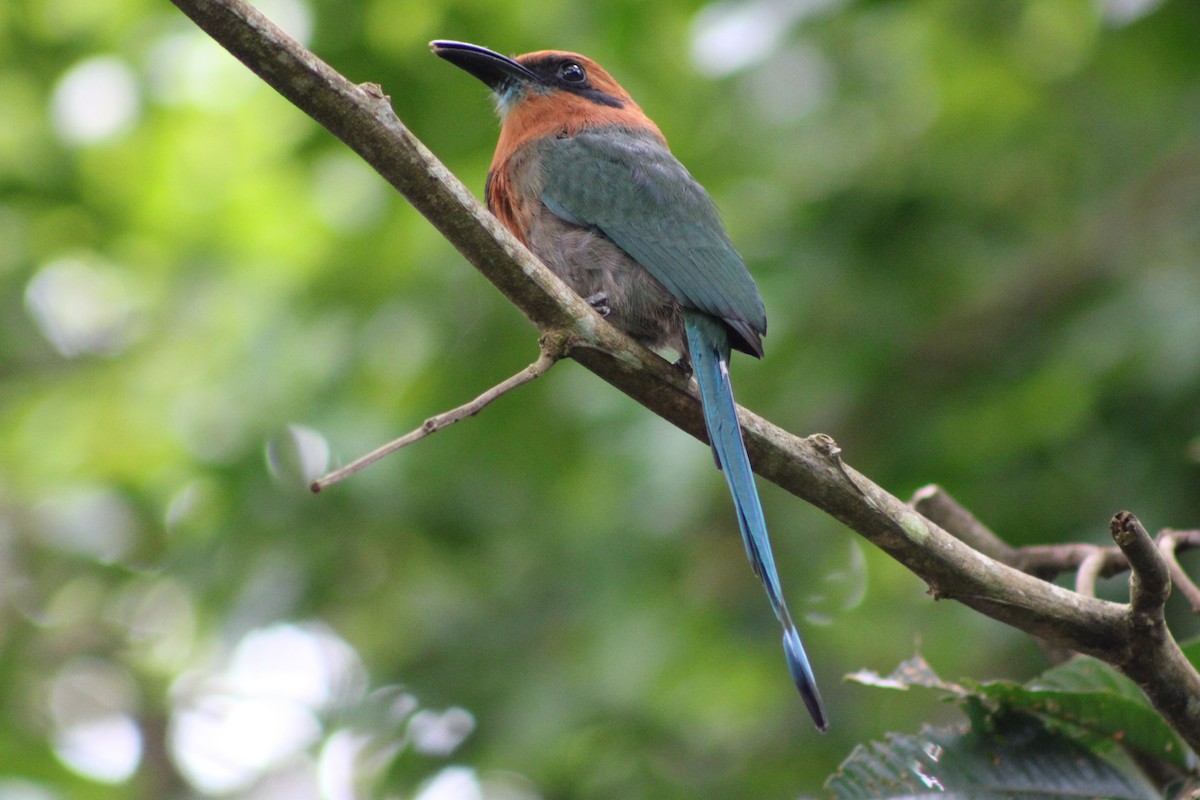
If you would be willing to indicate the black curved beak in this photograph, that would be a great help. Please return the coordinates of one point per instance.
(497, 71)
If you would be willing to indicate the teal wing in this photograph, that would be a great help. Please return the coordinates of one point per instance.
(628, 185)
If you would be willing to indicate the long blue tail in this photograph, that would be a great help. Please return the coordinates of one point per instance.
(708, 343)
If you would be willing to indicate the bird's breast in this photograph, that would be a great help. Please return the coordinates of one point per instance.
(582, 255)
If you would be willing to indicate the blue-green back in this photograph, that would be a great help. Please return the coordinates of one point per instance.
(628, 185)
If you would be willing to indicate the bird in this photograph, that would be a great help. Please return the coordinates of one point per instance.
(585, 180)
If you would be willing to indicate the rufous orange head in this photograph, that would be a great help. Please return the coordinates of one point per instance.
(545, 93)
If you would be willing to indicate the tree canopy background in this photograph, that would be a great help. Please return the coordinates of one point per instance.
(976, 228)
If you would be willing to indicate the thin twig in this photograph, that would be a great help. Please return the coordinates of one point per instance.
(1049, 560)
(1168, 542)
(1090, 568)
(1092, 562)
(444, 420)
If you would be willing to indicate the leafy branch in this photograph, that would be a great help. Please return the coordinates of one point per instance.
(985, 575)
(1049, 738)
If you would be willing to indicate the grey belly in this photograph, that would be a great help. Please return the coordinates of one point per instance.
(591, 264)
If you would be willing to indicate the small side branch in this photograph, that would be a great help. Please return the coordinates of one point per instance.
(549, 356)
(1048, 560)
(1168, 542)
(937, 505)
(1153, 658)
(1149, 579)
(1090, 568)
(1089, 562)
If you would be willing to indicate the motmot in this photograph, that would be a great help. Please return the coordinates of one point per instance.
(585, 180)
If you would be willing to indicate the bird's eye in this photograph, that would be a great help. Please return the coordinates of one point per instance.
(570, 72)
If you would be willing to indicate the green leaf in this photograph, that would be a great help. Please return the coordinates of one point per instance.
(1094, 698)
(1019, 758)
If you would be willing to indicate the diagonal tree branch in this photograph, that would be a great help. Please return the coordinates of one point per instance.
(811, 468)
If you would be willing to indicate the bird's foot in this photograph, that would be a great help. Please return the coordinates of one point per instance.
(599, 301)
(684, 365)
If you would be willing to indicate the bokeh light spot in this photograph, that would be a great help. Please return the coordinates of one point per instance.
(298, 455)
(234, 726)
(83, 308)
(95, 100)
(95, 735)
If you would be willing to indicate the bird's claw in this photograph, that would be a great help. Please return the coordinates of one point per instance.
(684, 365)
(599, 302)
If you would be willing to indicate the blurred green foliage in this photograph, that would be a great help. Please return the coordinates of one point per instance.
(976, 227)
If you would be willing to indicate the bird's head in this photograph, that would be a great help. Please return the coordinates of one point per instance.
(547, 91)
(546, 73)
